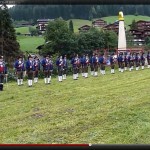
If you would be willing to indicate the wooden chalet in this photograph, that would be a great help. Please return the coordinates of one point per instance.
(141, 32)
(84, 28)
(113, 26)
(99, 23)
(42, 23)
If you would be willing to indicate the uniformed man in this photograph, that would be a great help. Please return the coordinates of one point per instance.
(142, 58)
(129, 62)
(3, 72)
(78, 65)
(30, 70)
(60, 66)
(36, 68)
(91, 61)
(119, 59)
(96, 65)
(20, 69)
(125, 61)
(47, 64)
(86, 65)
(74, 67)
(132, 60)
(112, 63)
(137, 61)
(148, 59)
(82, 60)
(102, 61)
(65, 67)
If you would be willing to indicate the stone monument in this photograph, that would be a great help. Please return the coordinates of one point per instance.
(121, 34)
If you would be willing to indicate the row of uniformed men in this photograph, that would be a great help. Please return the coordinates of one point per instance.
(79, 65)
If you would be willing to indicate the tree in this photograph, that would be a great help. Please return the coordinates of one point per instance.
(59, 38)
(110, 39)
(133, 25)
(33, 31)
(71, 26)
(9, 44)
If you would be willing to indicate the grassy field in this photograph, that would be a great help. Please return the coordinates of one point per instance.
(30, 43)
(110, 109)
(23, 30)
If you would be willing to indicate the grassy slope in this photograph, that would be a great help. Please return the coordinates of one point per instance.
(23, 30)
(107, 109)
(28, 43)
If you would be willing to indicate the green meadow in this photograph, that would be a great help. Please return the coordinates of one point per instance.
(109, 109)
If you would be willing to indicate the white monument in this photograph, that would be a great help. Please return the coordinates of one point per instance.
(121, 34)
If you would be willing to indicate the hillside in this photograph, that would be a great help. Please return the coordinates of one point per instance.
(30, 43)
(110, 109)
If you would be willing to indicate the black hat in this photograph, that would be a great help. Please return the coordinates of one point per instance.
(1, 57)
(29, 56)
(19, 57)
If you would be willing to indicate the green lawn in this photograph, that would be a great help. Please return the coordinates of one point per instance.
(110, 109)
(29, 43)
(23, 30)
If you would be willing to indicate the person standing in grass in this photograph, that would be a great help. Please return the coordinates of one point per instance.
(20, 69)
(96, 64)
(142, 60)
(60, 65)
(148, 59)
(102, 61)
(86, 65)
(47, 64)
(3, 72)
(112, 63)
(92, 64)
(74, 67)
(129, 62)
(125, 61)
(65, 67)
(30, 70)
(36, 68)
(137, 61)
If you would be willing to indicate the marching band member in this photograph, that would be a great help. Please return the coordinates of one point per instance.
(137, 61)
(78, 65)
(148, 59)
(119, 59)
(20, 68)
(65, 66)
(125, 61)
(129, 62)
(74, 67)
(60, 65)
(92, 64)
(132, 60)
(96, 64)
(82, 60)
(112, 63)
(36, 68)
(142, 60)
(3, 72)
(30, 70)
(86, 64)
(47, 64)
(102, 62)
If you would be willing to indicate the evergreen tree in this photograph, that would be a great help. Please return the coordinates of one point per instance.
(71, 26)
(133, 25)
(9, 44)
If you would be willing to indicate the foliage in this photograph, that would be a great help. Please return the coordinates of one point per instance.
(33, 31)
(7, 33)
(133, 25)
(71, 28)
(34, 12)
